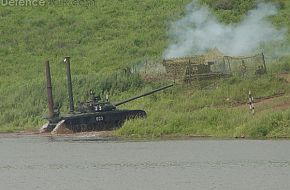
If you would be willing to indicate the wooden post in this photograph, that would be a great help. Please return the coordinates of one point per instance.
(251, 102)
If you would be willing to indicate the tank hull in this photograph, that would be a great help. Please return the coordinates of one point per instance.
(83, 122)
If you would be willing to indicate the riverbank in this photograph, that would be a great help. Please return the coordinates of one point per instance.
(113, 136)
(220, 110)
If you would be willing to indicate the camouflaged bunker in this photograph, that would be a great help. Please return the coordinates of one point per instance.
(205, 66)
(214, 65)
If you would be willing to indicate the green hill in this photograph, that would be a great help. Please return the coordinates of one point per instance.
(104, 37)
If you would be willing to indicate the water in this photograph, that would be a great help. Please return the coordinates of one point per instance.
(32, 162)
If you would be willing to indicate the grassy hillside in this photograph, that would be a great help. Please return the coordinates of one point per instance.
(106, 37)
(100, 39)
(219, 110)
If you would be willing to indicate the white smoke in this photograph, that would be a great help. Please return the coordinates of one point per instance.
(200, 31)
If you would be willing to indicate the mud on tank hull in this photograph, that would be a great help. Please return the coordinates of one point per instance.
(83, 122)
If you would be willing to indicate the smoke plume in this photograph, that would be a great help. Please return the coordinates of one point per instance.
(200, 31)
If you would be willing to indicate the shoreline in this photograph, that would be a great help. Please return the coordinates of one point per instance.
(36, 133)
(109, 135)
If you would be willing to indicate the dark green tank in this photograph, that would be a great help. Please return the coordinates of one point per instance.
(92, 115)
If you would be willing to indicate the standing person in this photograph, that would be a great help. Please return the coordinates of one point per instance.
(243, 68)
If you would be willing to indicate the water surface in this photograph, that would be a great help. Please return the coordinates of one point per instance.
(31, 162)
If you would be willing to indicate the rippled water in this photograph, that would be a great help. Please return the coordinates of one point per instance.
(32, 162)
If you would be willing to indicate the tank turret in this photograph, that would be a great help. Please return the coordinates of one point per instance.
(95, 104)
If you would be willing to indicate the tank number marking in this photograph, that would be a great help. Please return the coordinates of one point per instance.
(99, 118)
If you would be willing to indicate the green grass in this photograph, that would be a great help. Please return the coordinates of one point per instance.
(101, 39)
(221, 110)
(108, 37)
(216, 122)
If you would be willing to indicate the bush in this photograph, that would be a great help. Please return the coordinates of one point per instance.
(223, 4)
(121, 81)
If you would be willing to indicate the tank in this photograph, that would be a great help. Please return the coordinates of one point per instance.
(92, 115)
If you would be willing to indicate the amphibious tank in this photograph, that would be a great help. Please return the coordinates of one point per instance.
(92, 115)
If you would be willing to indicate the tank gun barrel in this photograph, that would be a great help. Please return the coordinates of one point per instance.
(142, 95)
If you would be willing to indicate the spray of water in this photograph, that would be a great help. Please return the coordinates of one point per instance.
(200, 31)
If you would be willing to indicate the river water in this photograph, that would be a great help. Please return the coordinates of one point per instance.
(33, 162)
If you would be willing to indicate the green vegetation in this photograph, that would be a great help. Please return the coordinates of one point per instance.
(220, 110)
(230, 11)
(104, 39)
(101, 39)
